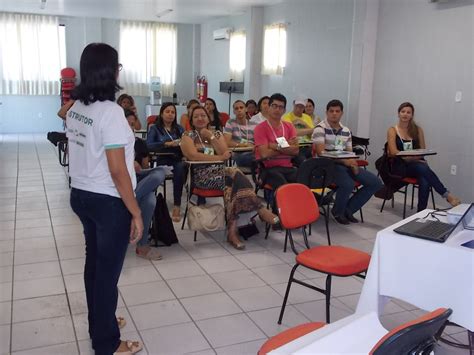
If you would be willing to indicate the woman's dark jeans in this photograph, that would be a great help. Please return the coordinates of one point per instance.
(106, 223)
(426, 179)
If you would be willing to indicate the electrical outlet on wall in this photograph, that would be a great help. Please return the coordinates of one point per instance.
(454, 169)
(40, 114)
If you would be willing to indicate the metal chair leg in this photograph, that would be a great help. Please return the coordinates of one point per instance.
(412, 195)
(287, 293)
(405, 201)
(326, 221)
(305, 237)
(292, 244)
(286, 241)
(328, 298)
(432, 198)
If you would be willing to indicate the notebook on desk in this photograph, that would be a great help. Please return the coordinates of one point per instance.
(416, 152)
(435, 230)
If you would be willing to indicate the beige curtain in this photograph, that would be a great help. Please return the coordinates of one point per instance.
(237, 51)
(147, 49)
(274, 49)
(32, 54)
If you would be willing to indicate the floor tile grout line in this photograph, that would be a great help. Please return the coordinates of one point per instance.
(14, 242)
(57, 251)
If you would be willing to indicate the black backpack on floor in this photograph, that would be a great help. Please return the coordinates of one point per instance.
(162, 230)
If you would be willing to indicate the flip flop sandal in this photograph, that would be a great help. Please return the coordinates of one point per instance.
(133, 348)
(121, 322)
(152, 254)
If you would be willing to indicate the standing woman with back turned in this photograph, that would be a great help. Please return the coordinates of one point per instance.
(407, 135)
(103, 180)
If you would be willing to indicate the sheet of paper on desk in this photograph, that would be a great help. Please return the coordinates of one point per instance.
(339, 154)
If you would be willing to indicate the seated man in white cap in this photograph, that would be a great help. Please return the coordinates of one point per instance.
(304, 128)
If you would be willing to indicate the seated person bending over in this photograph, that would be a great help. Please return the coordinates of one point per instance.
(128, 103)
(239, 197)
(164, 137)
(238, 133)
(148, 181)
(330, 134)
(278, 168)
(407, 135)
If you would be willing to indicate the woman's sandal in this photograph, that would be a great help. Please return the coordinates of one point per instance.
(268, 217)
(121, 322)
(454, 201)
(151, 254)
(133, 348)
(176, 214)
(237, 244)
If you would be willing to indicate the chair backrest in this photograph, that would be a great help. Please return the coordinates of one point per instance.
(297, 205)
(316, 173)
(413, 336)
(151, 120)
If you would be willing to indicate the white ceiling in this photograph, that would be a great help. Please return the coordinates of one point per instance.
(184, 11)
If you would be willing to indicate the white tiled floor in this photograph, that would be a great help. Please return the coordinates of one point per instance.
(202, 298)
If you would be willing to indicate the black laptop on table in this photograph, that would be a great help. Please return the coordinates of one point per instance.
(435, 230)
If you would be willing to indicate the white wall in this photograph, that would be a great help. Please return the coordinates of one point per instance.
(424, 55)
(24, 114)
(319, 51)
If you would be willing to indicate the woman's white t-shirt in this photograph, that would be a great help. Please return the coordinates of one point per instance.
(91, 130)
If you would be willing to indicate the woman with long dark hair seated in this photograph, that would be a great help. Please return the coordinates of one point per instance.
(407, 135)
(202, 144)
(218, 119)
(164, 137)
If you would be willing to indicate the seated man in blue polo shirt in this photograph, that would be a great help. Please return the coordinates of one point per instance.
(328, 135)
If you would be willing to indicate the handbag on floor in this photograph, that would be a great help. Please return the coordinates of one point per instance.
(162, 230)
(206, 218)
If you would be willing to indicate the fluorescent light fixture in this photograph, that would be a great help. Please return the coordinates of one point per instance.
(162, 13)
(43, 4)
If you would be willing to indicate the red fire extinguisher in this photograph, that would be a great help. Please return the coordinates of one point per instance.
(202, 88)
(198, 88)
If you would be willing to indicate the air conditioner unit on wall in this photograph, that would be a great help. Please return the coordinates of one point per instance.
(221, 33)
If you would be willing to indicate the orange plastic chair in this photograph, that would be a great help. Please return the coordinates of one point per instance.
(297, 208)
(224, 117)
(417, 336)
(151, 120)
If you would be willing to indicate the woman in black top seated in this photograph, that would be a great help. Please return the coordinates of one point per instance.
(407, 135)
(164, 137)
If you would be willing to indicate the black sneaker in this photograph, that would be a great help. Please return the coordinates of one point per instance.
(351, 218)
(340, 219)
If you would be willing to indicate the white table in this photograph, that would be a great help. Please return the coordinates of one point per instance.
(355, 334)
(426, 274)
